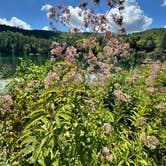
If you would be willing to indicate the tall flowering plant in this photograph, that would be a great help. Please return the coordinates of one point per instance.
(59, 113)
(91, 61)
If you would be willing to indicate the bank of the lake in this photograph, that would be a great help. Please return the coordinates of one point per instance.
(3, 84)
(8, 63)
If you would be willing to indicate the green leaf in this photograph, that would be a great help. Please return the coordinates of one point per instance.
(52, 90)
(29, 140)
(34, 119)
(121, 162)
(38, 150)
(64, 116)
(143, 162)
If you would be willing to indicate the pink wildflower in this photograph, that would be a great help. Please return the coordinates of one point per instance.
(107, 128)
(152, 142)
(6, 101)
(105, 150)
(120, 95)
(109, 158)
(50, 78)
(33, 84)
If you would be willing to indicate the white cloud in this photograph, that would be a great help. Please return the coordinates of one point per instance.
(134, 18)
(164, 3)
(165, 26)
(46, 8)
(46, 28)
(75, 20)
(15, 22)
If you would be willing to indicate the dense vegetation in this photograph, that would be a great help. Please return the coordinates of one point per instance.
(15, 41)
(82, 107)
(147, 44)
(51, 116)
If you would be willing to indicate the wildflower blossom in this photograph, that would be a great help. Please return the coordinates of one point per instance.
(105, 68)
(33, 84)
(118, 69)
(90, 68)
(151, 89)
(142, 121)
(129, 80)
(101, 157)
(57, 50)
(152, 142)
(120, 95)
(105, 156)
(149, 141)
(107, 128)
(109, 158)
(107, 50)
(50, 78)
(6, 101)
(161, 106)
(162, 89)
(105, 150)
(143, 137)
(71, 54)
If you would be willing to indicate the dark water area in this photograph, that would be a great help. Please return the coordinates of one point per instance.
(12, 61)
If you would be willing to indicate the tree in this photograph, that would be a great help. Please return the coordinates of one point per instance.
(150, 45)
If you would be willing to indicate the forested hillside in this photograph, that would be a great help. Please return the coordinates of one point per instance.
(15, 41)
(150, 43)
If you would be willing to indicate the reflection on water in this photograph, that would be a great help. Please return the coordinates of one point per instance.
(13, 61)
(3, 83)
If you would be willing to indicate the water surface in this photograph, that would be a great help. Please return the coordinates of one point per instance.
(11, 61)
(3, 84)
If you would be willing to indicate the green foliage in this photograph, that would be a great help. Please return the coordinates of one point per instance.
(15, 41)
(5, 71)
(73, 122)
(148, 44)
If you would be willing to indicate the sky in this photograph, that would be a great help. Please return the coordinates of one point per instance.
(138, 15)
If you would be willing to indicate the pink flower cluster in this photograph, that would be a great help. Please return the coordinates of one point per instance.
(71, 55)
(105, 156)
(96, 23)
(107, 128)
(50, 79)
(156, 68)
(33, 84)
(121, 96)
(89, 15)
(57, 50)
(115, 47)
(161, 106)
(142, 121)
(149, 141)
(105, 68)
(6, 102)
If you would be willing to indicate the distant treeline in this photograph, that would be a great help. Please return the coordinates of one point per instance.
(15, 41)
(150, 43)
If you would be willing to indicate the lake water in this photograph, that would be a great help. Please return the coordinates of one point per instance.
(13, 61)
(3, 83)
